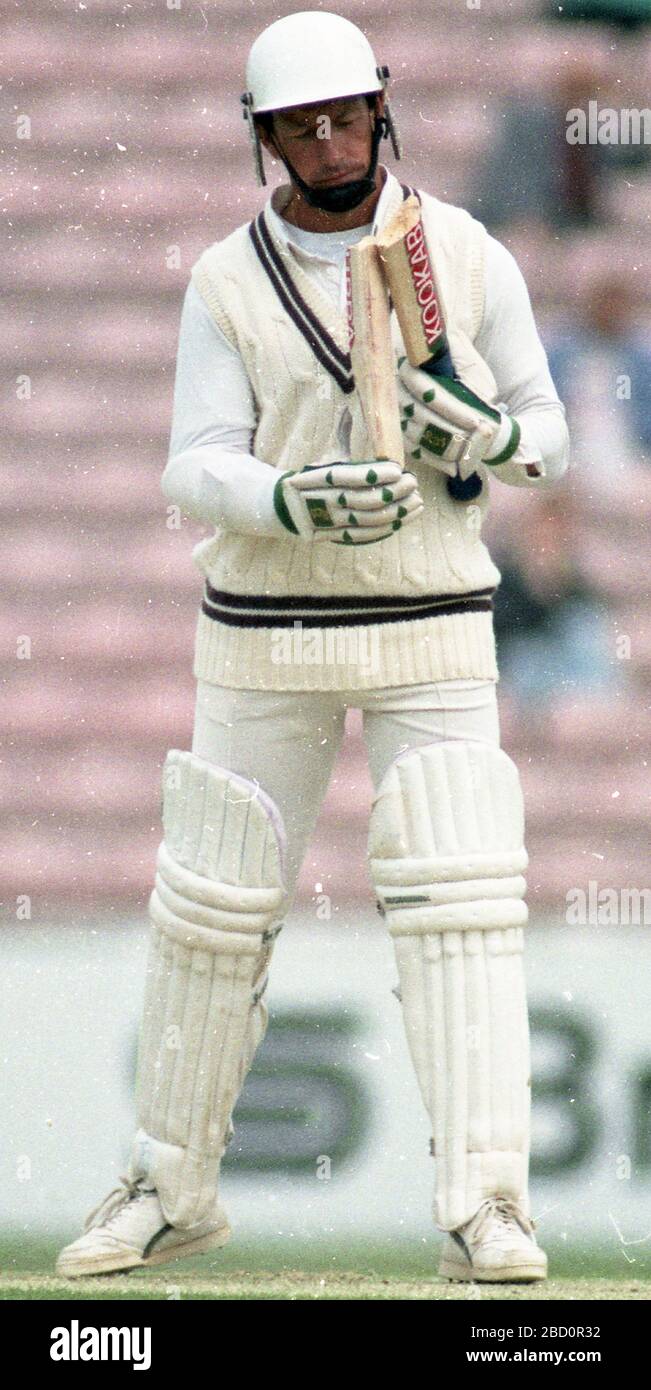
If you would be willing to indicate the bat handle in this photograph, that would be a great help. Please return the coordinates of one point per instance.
(440, 364)
(462, 489)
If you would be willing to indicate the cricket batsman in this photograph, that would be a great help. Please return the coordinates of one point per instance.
(317, 539)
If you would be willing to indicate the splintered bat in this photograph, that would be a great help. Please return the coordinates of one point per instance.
(416, 296)
(371, 351)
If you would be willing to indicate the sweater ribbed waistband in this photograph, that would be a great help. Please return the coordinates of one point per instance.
(274, 610)
(448, 646)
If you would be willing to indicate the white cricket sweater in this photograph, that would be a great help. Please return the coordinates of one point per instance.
(427, 590)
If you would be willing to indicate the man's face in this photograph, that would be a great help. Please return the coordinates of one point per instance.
(327, 142)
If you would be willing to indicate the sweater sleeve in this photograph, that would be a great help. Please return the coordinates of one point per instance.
(508, 340)
(211, 473)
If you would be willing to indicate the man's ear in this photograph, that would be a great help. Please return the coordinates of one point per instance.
(378, 106)
(265, 136)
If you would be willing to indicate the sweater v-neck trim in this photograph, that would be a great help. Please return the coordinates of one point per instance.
(326, 346)
(317, 299)
(324, 327)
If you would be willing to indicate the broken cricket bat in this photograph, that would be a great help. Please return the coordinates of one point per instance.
(416, 296)
(371, 350)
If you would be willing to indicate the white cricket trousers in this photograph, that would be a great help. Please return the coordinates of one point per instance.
(287, 741)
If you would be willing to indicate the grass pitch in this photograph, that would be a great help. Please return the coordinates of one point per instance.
(296, 1286)
(247, 1271)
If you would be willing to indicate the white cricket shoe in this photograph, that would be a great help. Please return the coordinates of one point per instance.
(497, 1246)
(128, 1230)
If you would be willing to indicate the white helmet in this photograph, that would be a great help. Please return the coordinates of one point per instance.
(308, 57)
(311, 56)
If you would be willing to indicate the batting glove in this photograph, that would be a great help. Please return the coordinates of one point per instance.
(348, 503)
(447, 425)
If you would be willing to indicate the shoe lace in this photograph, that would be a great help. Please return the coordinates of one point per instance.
(504, 1212)
(110, 1206)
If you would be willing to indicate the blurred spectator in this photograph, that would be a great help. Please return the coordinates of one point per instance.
(534, 175)
(601, 368)
(552, 632)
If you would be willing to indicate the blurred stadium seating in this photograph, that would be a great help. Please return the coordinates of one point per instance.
(136, 160)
